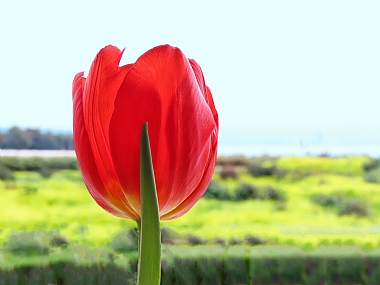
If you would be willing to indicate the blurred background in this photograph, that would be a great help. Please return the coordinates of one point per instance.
(297, 181)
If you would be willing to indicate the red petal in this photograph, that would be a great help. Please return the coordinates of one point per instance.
(96, 107)
(83, 149)
(186, 205)
(205, 90)
(162, 89)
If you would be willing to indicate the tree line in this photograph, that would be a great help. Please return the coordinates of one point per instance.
(17, 138)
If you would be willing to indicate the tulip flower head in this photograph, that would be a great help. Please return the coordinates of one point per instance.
(110, 106)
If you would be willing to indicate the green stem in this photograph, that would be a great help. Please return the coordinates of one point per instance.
(149, 267)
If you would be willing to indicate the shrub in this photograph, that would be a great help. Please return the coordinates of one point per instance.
(169, 235)
(253, 240)
(46, 172)
(60, 163)
(270, 193)
(34, 242)
(127, 240)
(38, 163)
(6, 173)
(345, 206)
(267, 265)
(235, 241)
(354, 206)
(325, 200)
(246, 191)
(373, 175)
(228, 171)
(194, 239)
(12, 163)
(371, 165)
(217, 190)
(58, 241)
(28, 243)
(220, 241)
(256, 169)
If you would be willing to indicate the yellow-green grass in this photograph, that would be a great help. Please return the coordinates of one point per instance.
(352, 165)
(58, 204)
(63, 203)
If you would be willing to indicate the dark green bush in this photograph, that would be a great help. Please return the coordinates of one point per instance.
(257, 170)
(28, 243)
(246, 191)
(373, 175)
(125, 241)
(12, 163)
(210, 270)
(58, 240)
(69, 273)
(168, 235)
(236, 268)
(271, 193)
(253, 240)
(228, 171)
(354, 206)
(371, 165)
(204, 266)
(6, 173)
(258, 166)
(220, 241)
(372, 171)
(217, 190)
(185, 271)
(327, 200)
(194, 239)
(344, 205)
(46, 172)
(235, 241)
(60, 163)
(38, 163)
(34, 242)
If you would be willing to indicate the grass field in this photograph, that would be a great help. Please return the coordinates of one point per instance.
(62, 203)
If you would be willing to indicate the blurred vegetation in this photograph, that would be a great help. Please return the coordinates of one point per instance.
(16, 138)
(304, 201)
(45, 166)
(219, 265)
(262, 202)
(372, 171)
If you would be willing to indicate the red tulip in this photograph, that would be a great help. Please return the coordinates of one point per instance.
(168, 91)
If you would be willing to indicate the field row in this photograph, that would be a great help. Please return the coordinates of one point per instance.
(308, 202)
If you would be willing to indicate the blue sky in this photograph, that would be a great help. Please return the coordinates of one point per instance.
(294, 69)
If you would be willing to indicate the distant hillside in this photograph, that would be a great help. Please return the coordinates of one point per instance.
(17, 138)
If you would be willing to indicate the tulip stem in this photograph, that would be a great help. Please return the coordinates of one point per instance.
(149, 266)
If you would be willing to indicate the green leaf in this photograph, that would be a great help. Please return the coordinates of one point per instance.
(149, 268)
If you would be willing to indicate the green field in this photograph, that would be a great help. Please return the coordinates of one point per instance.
(298, 216)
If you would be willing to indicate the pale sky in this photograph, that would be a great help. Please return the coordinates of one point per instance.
(277, 68)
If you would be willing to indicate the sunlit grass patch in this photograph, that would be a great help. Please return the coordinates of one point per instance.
(350, 165)
(62, 202)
